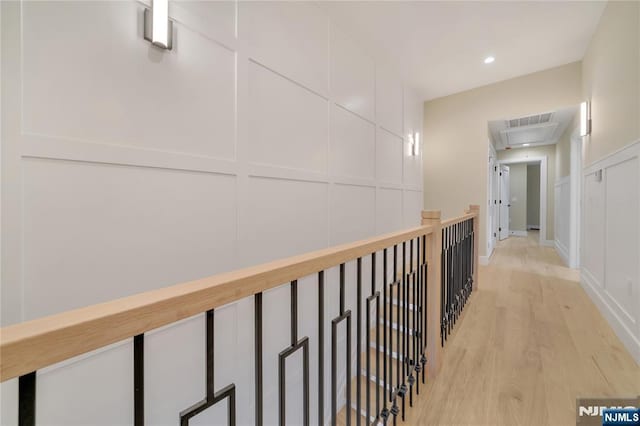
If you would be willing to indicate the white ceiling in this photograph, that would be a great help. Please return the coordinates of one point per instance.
(514, 132)
(439, 47)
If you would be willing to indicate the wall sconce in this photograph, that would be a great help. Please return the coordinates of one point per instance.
(414, 144)
(158, 29)
(585, 118)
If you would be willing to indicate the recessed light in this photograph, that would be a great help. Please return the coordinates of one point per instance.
(489, 59)
(526, 144)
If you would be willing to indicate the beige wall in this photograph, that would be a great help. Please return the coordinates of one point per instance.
(611, 80)
(518, 194)
(548, 151)
(533, 194)
(455, 134)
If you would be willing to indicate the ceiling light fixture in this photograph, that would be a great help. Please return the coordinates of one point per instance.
(489, 59)
(526, 144)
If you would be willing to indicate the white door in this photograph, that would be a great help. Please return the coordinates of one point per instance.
(496, 206)
(503, 202)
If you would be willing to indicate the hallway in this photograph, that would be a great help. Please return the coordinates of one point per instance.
(529, 344)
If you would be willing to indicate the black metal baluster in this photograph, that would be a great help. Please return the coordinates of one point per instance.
(368, 366)
(454, 259)
(377, 296)
(417, 305)
(458, 273)
(344, 315)
(454, 271)
(394, 407)
(410, 336)
(282, 357)
(358, 338)
(450, 318)
(403, 329)
(27, 399)
(424, 311)
(257, 300)
(459, 270)
(443, 274)
(321, 348)
(138, 380)
(386, 389)
(211, 397)
(447, 280)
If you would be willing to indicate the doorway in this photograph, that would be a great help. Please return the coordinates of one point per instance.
(508, 198)
(505, 202)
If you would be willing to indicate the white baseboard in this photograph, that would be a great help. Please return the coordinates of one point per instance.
(593, 289)
(484, 260)
(562, 251)
(518, 233)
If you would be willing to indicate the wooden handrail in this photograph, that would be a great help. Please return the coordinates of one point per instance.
(35, 344)
(462, 218)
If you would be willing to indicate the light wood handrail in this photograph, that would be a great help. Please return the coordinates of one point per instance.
(462, 218)
(35, 344)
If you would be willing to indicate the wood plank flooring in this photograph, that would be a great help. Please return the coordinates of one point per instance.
(529, 343)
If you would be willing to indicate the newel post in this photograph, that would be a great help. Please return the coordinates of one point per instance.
(475, 209)
(434, 315)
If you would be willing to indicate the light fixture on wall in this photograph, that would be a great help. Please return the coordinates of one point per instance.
(414, 144)
(158, 29)
(526, 144)
(489, 60)
(585, 118)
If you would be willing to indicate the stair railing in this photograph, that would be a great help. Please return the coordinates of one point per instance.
(403, 324)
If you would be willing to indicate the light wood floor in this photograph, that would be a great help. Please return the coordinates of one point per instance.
(529, 343)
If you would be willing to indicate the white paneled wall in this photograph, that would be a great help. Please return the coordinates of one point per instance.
(266, 132)
(611, 241)
(562, 217)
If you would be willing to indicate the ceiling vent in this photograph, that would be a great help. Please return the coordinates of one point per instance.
(529, 121)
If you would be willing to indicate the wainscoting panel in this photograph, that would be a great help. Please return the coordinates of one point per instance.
(389, 101)
(288, 124)
(352, 147)
(267, 131)
(351, 213)
(593, 237)
(562, 217)
(611, 241)
(621, 231)
(290, 38)
(110, 86)
(289, 214)
(412, 202)
(389, 157)
(352, 76)
(97, 232)
(388, 216)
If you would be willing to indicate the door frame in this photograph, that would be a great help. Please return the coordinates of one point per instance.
(504, 203)
(491, 208)
(543, 191)
(575, 182)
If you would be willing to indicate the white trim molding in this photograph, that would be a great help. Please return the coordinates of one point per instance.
(626, 335)
(562, 251)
